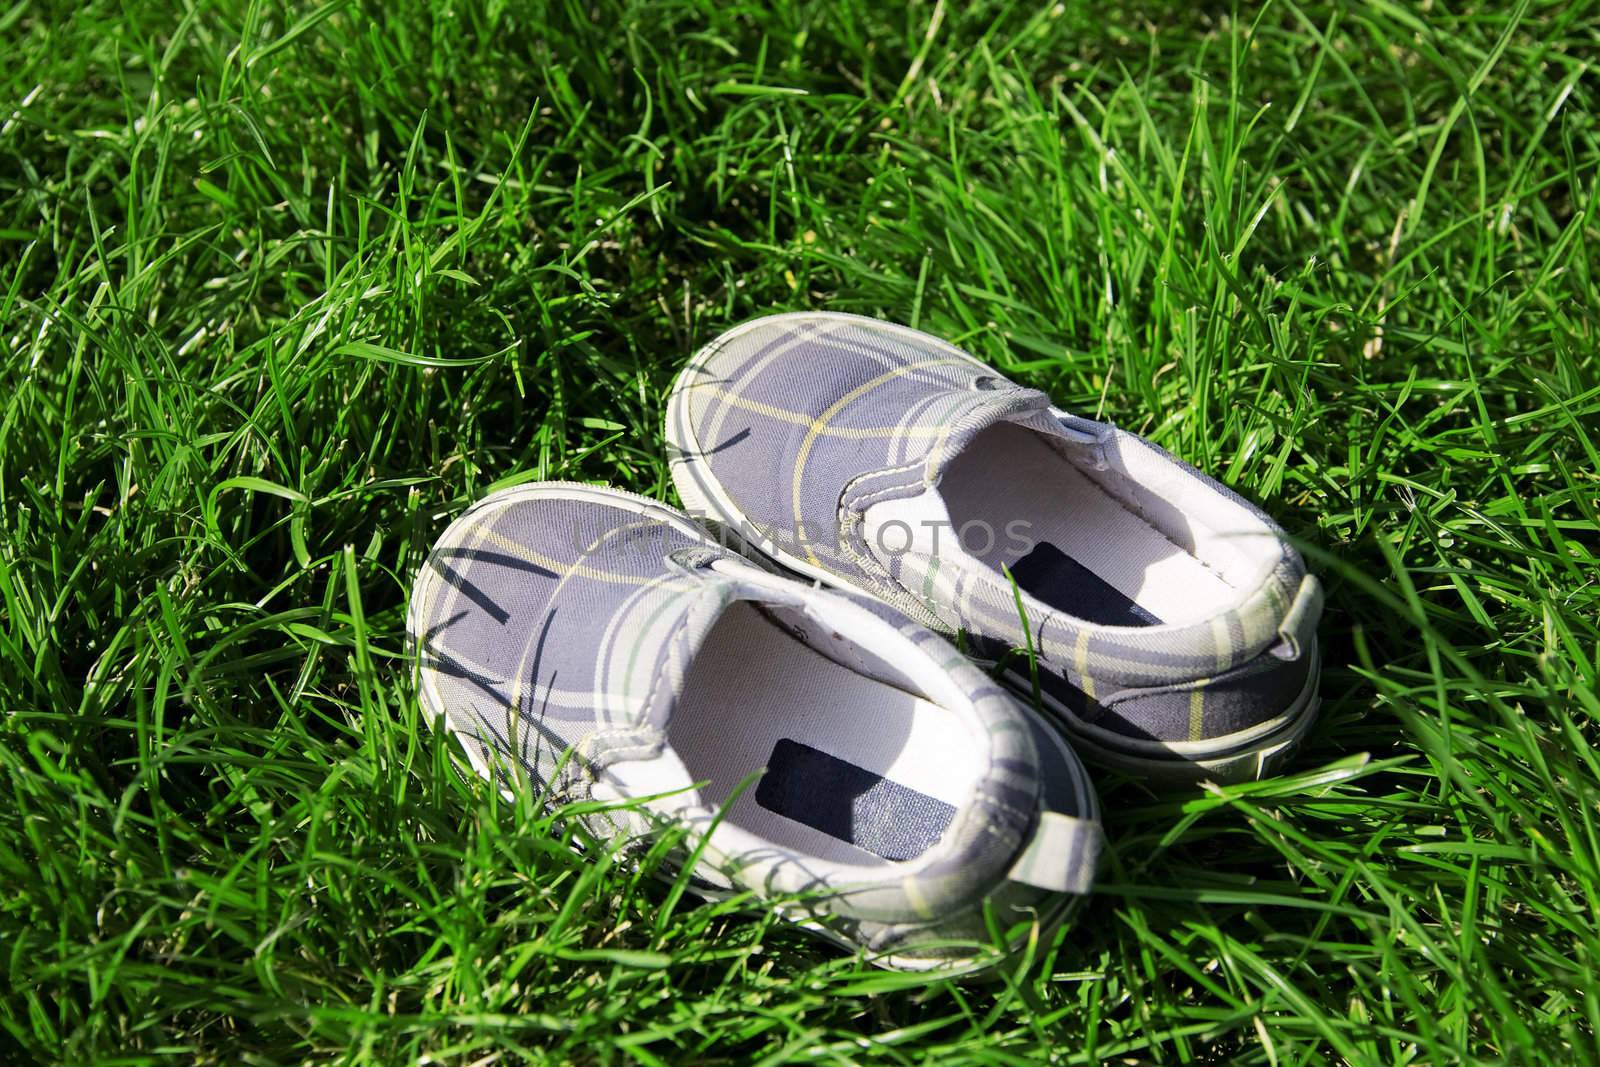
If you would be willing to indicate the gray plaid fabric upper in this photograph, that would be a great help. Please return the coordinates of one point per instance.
(803, 422)
(547, 621)
(550, 618)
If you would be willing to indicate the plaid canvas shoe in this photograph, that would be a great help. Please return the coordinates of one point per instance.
(596, 645)
(1174, 626)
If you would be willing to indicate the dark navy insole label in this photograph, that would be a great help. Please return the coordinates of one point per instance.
(1054, 577)
(850, 803)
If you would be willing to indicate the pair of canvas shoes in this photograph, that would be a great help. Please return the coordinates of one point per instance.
(819, 744)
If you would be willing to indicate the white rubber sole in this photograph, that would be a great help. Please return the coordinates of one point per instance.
(1248, 755)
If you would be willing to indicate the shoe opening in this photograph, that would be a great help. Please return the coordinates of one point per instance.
(856, 770)
(1100, 545)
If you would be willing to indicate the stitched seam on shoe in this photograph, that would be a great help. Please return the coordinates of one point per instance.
(602, 748)
(855, 547)
(852, 503)
(677, 637)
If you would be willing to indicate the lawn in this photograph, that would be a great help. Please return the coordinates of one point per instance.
(283, 290)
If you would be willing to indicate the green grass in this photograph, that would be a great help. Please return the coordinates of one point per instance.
(282, 291)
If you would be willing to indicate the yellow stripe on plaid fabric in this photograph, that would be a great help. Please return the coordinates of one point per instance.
(848, 433)
(821, 424)
(564, 570)
(1080, 656)
(1197, 710)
